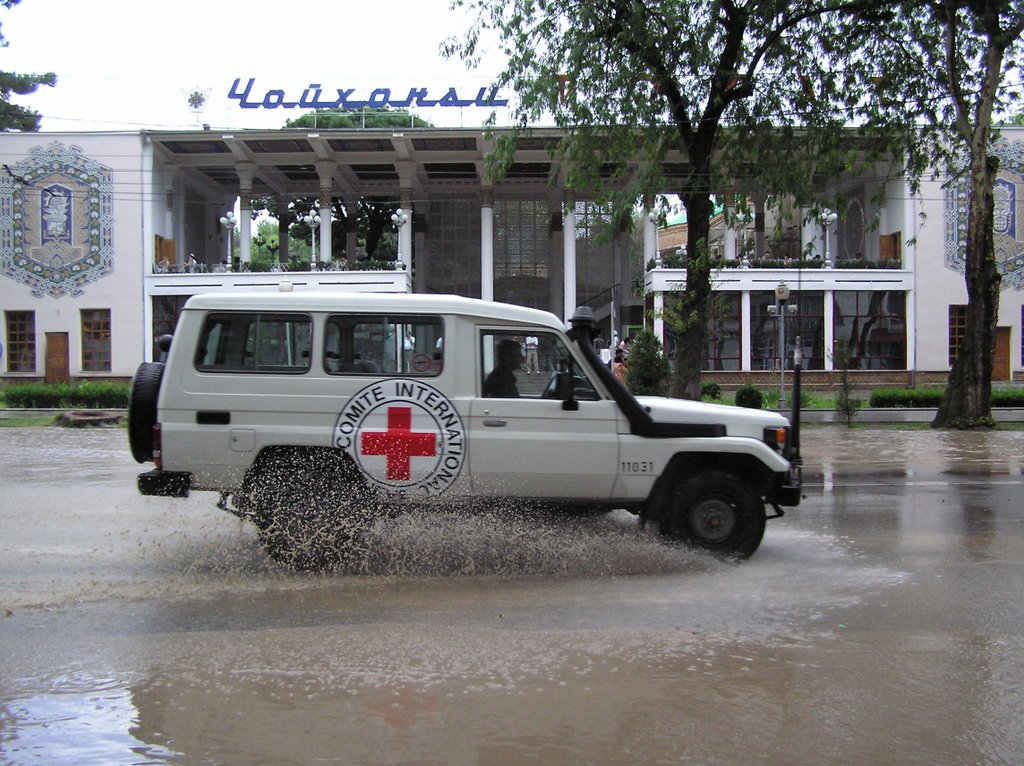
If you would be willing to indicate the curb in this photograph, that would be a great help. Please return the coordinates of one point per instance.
(865, 415)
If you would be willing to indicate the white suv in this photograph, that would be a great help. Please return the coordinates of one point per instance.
(314, 412)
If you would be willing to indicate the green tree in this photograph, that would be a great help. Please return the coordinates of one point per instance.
(647, 371)
(378, 117)
(950, 60)
(13, 116)
(846, 403)
(698, 98)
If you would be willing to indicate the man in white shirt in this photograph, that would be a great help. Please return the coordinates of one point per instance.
(531, 355)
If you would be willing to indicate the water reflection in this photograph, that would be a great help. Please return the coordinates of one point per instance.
(80, 720)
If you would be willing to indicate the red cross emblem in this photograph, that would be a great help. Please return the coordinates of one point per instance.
(398, 443)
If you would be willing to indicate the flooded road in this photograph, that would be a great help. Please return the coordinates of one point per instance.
(882, 621)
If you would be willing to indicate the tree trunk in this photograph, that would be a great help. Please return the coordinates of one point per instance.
(967, 401)
(690, 318)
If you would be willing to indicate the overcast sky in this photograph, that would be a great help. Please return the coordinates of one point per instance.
(129, 64)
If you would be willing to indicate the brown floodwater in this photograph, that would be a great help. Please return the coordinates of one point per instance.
(880, 622)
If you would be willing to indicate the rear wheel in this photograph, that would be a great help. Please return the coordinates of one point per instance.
(142, 401)
(716, 511)
(308, 505)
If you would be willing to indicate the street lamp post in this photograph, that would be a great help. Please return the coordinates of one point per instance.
(827, 219)
(779, 311)
(312, 219)
(399, 218)
(228, 221)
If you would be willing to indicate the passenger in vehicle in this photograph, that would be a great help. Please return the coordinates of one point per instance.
(501, 382)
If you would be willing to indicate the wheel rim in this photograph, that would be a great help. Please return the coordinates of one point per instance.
(713, 519)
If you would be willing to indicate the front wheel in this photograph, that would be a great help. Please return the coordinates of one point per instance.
(718, 512)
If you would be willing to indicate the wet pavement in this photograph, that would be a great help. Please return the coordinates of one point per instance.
(880, 622)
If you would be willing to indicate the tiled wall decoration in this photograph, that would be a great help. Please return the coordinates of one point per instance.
(56, 221)
(1008, 218)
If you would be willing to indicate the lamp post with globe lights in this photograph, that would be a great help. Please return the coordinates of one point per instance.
(828, 218)
(228, 221)
(779, 311)
(312, 219)
(399, 218)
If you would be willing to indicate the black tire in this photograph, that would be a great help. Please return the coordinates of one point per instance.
(718, 512)
(142, 409)
(308, 505)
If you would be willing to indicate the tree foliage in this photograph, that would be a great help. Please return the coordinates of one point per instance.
(647, 370)
(950, 62)
(13, 116)
(712, 97)
(377, 117)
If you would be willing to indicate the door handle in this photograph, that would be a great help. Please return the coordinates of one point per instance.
(495, 422)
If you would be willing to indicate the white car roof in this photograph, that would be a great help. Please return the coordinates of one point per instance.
(399, 303)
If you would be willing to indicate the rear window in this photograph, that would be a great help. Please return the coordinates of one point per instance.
(356, 344)
(255, 342)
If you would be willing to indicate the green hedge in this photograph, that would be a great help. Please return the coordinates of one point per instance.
(930, 397)
(87, 395)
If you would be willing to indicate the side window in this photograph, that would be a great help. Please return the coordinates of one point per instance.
(252, 342)
(530, 364)
(392, 345)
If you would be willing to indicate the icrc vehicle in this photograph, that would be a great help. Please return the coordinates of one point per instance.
(313, 413)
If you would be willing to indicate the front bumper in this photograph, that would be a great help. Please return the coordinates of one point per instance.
(165, 483)
(787, 489)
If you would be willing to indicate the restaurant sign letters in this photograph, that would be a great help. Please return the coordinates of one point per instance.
(315, 96)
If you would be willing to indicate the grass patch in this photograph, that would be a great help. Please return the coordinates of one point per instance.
(34, 422)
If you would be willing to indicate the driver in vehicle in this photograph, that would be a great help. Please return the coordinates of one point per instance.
(501, 381)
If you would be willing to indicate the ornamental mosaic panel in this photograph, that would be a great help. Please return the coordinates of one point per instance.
(56, 221)
(1008, 218)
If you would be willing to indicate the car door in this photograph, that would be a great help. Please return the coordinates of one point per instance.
(524, 441)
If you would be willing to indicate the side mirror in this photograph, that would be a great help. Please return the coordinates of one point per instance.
(565, 391)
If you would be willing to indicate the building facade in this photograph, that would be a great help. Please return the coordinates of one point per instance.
(105, 235)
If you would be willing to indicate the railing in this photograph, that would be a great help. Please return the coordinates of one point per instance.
(782, 263)
(303, 267)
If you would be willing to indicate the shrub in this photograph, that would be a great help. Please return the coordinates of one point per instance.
(647, 370)
(750, 397)
(87, 395)
(931, 397)
(710, 390)
(1008, 397)
(846, 404)
(906, 397)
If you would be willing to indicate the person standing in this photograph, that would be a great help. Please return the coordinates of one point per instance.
(532, 365)
(619, 366)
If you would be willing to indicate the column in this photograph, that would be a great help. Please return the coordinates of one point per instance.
(405, 232)
(909, 235)
(650, 233)
(659, 317)
(556, 279)
(830, 328)
(351, 230)
(245, 226)
(246, 171)
(809, 234)
(325, 209)
(760, 247)
(569, 257)
(421, 277)
(181, 248)
(745, 331)
(282, 228)
(487, 244)
(729, 236)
